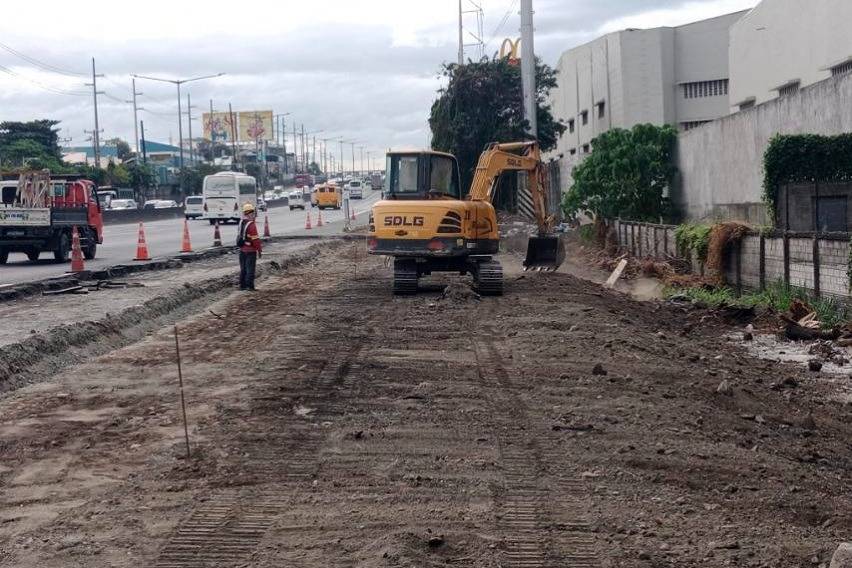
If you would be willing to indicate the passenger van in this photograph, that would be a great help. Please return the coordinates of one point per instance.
(328, 196)
(225, 194)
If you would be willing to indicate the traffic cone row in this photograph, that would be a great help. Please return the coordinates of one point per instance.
(186, 245)
(319, 218)
(308, 220)
(76, 252)
(142, 246)
(353, 214)
(266, 232)
(217, 236)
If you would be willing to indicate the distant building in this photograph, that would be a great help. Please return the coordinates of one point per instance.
(86, 155)
(783, 45)
(666, 75)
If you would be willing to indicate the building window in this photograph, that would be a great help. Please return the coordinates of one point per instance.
(586, 148)
(689, 125)
(570, 125)
(702, 89)
(841, 69)
(788, 90)
(573, 151)
(584, 117)
(601, 109)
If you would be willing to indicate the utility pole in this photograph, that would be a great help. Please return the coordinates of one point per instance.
(136, 116)
(461, 34)
(304, 151)
(528, 66)
(189, 108)
(233, 137)
(314, 150)
(353, 158)
(96, 136)
(362, 159)
(341, 158)
(144, 150)
(295, 150)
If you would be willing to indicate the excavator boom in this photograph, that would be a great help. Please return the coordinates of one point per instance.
(546, 251)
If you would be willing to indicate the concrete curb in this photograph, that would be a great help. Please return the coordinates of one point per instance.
(35, 287)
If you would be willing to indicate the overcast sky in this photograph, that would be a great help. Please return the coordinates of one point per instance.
(361, 69)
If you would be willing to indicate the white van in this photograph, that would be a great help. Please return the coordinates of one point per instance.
(225, 194)
(193, 206)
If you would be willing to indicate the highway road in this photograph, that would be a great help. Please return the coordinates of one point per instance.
(164, 239)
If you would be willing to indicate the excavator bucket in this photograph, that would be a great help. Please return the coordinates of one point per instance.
(544, 253)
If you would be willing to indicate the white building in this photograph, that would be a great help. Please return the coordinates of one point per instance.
(783, 45)
(662, 76)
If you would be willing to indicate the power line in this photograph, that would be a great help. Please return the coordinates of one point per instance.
(502, 23)
(41, 64)
(42, 85)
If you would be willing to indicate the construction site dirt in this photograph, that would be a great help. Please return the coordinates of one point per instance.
(332, 424)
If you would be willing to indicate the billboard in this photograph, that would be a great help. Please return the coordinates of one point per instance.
(255, 125)
(218, 127)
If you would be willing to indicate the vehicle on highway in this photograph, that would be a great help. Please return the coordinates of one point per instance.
(376, 181)
(328, 196)
(296, 200)
(160, 204)
(225, 193)
(355, 189)
(304, 179)
(261, 204)
(117, 204)
(193, 207)
(39, 212)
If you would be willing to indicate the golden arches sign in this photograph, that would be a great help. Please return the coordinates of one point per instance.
(511, 50)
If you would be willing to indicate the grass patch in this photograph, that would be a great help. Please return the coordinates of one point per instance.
(588, 234)
(695, 238)
(777, 296)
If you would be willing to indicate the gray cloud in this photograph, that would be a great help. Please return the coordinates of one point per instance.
(354, 82)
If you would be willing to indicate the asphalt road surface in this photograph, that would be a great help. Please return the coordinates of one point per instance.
(164, 239)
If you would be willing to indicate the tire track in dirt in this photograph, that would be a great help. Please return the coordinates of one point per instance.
(527, 504)
(227, 529)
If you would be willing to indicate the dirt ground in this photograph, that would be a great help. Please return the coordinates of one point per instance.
(332, 424)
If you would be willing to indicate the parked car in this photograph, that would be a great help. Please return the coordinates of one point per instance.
(194, 207)
(296, 199)
(261, 204)
(117, 204)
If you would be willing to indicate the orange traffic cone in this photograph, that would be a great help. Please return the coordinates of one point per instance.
(308, 220)
(217, 236)
(353, 214)
(266, 233)
(186, 245)
(76, 252)
(142, 246)
(319, 218)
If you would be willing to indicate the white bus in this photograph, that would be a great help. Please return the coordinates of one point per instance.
(225, 194)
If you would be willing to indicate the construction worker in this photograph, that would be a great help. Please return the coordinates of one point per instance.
(248, 241)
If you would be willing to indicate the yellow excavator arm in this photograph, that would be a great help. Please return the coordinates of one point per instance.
(515, 156)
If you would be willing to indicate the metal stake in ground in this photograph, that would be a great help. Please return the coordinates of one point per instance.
(182, 400)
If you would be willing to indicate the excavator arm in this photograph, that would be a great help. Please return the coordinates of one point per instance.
(546, 251)
(520, 157)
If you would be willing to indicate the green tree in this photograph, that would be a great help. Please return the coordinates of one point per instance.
(192, 179)
(314, 169)
(627, 175)
(482, 103)
(123, 151)
(35, 139)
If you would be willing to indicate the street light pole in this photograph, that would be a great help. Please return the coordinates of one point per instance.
(178, 83)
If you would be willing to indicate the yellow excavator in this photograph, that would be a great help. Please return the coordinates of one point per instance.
(423, 222)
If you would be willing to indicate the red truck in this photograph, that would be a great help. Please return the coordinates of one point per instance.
(38, 212)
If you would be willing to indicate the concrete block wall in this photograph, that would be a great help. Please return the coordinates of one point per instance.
(832, 252)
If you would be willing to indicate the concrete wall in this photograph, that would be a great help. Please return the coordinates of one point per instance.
(636, 74)
(721, 163)
(658, 241)
(782, 40)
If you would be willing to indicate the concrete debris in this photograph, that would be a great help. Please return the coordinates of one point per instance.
(842, 557)
(725, 389)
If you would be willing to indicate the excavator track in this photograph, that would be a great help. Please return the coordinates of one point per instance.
(489, 278)
(404, 276)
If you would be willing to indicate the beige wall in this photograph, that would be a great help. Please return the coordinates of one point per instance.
(781, 40)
